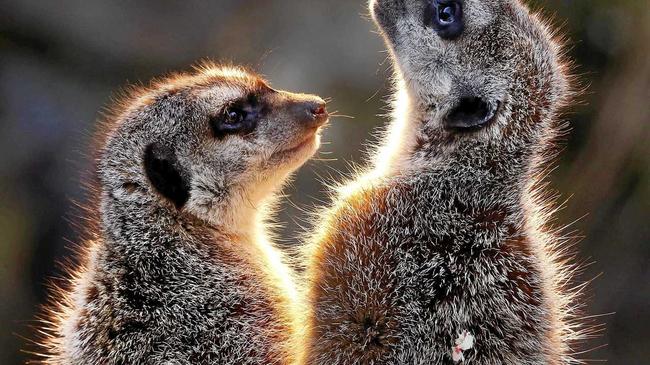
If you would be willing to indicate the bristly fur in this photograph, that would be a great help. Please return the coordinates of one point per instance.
(449, 232)
(193, 280)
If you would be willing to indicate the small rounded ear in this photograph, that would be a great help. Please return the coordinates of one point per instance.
(166, 175)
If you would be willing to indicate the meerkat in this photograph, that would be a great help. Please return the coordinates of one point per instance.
(440, 252)
(182, 270)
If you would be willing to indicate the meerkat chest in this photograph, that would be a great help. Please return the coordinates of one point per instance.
(208, 308)
(419, 265)
(233, 317)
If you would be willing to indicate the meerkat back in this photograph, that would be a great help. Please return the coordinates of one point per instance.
(180, 270)
(441, 253)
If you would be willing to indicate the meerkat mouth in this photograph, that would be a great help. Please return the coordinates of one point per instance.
(303, 144)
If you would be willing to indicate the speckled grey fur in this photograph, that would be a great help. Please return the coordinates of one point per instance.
(196, 284)
(447, 233)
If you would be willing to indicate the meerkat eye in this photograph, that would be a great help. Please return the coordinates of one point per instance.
(447, 14)
(234, 116)
(446, 18)
(234, 119)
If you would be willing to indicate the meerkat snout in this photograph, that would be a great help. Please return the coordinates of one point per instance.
(311, 113)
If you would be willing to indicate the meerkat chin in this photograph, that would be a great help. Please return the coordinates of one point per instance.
(440, 253)
(181, 270)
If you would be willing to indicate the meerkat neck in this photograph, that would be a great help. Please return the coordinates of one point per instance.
(400, 137)
(148, 234)
(137, 224)
(407, 147)
(252, 240)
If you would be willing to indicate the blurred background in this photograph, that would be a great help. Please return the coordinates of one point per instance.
(60, 62)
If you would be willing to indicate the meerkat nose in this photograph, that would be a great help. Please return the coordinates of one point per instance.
(320, 110)
(312, 112)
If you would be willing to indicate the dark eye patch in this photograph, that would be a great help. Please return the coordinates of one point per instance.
(445, 17)
(239, 117)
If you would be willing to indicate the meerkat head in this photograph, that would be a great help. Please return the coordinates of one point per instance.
(470, 71)
(214, 143)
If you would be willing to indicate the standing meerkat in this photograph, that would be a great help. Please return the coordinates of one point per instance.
(441, 253)
(181, 270)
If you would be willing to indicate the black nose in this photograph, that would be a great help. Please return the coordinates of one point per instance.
(313, 113)
(471, 112)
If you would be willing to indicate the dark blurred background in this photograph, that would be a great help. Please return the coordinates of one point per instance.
(60, 62)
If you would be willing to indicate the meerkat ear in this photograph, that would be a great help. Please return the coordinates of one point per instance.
(164, 173)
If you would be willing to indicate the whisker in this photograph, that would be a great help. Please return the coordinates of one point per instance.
(342, 116)
(373, 96)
